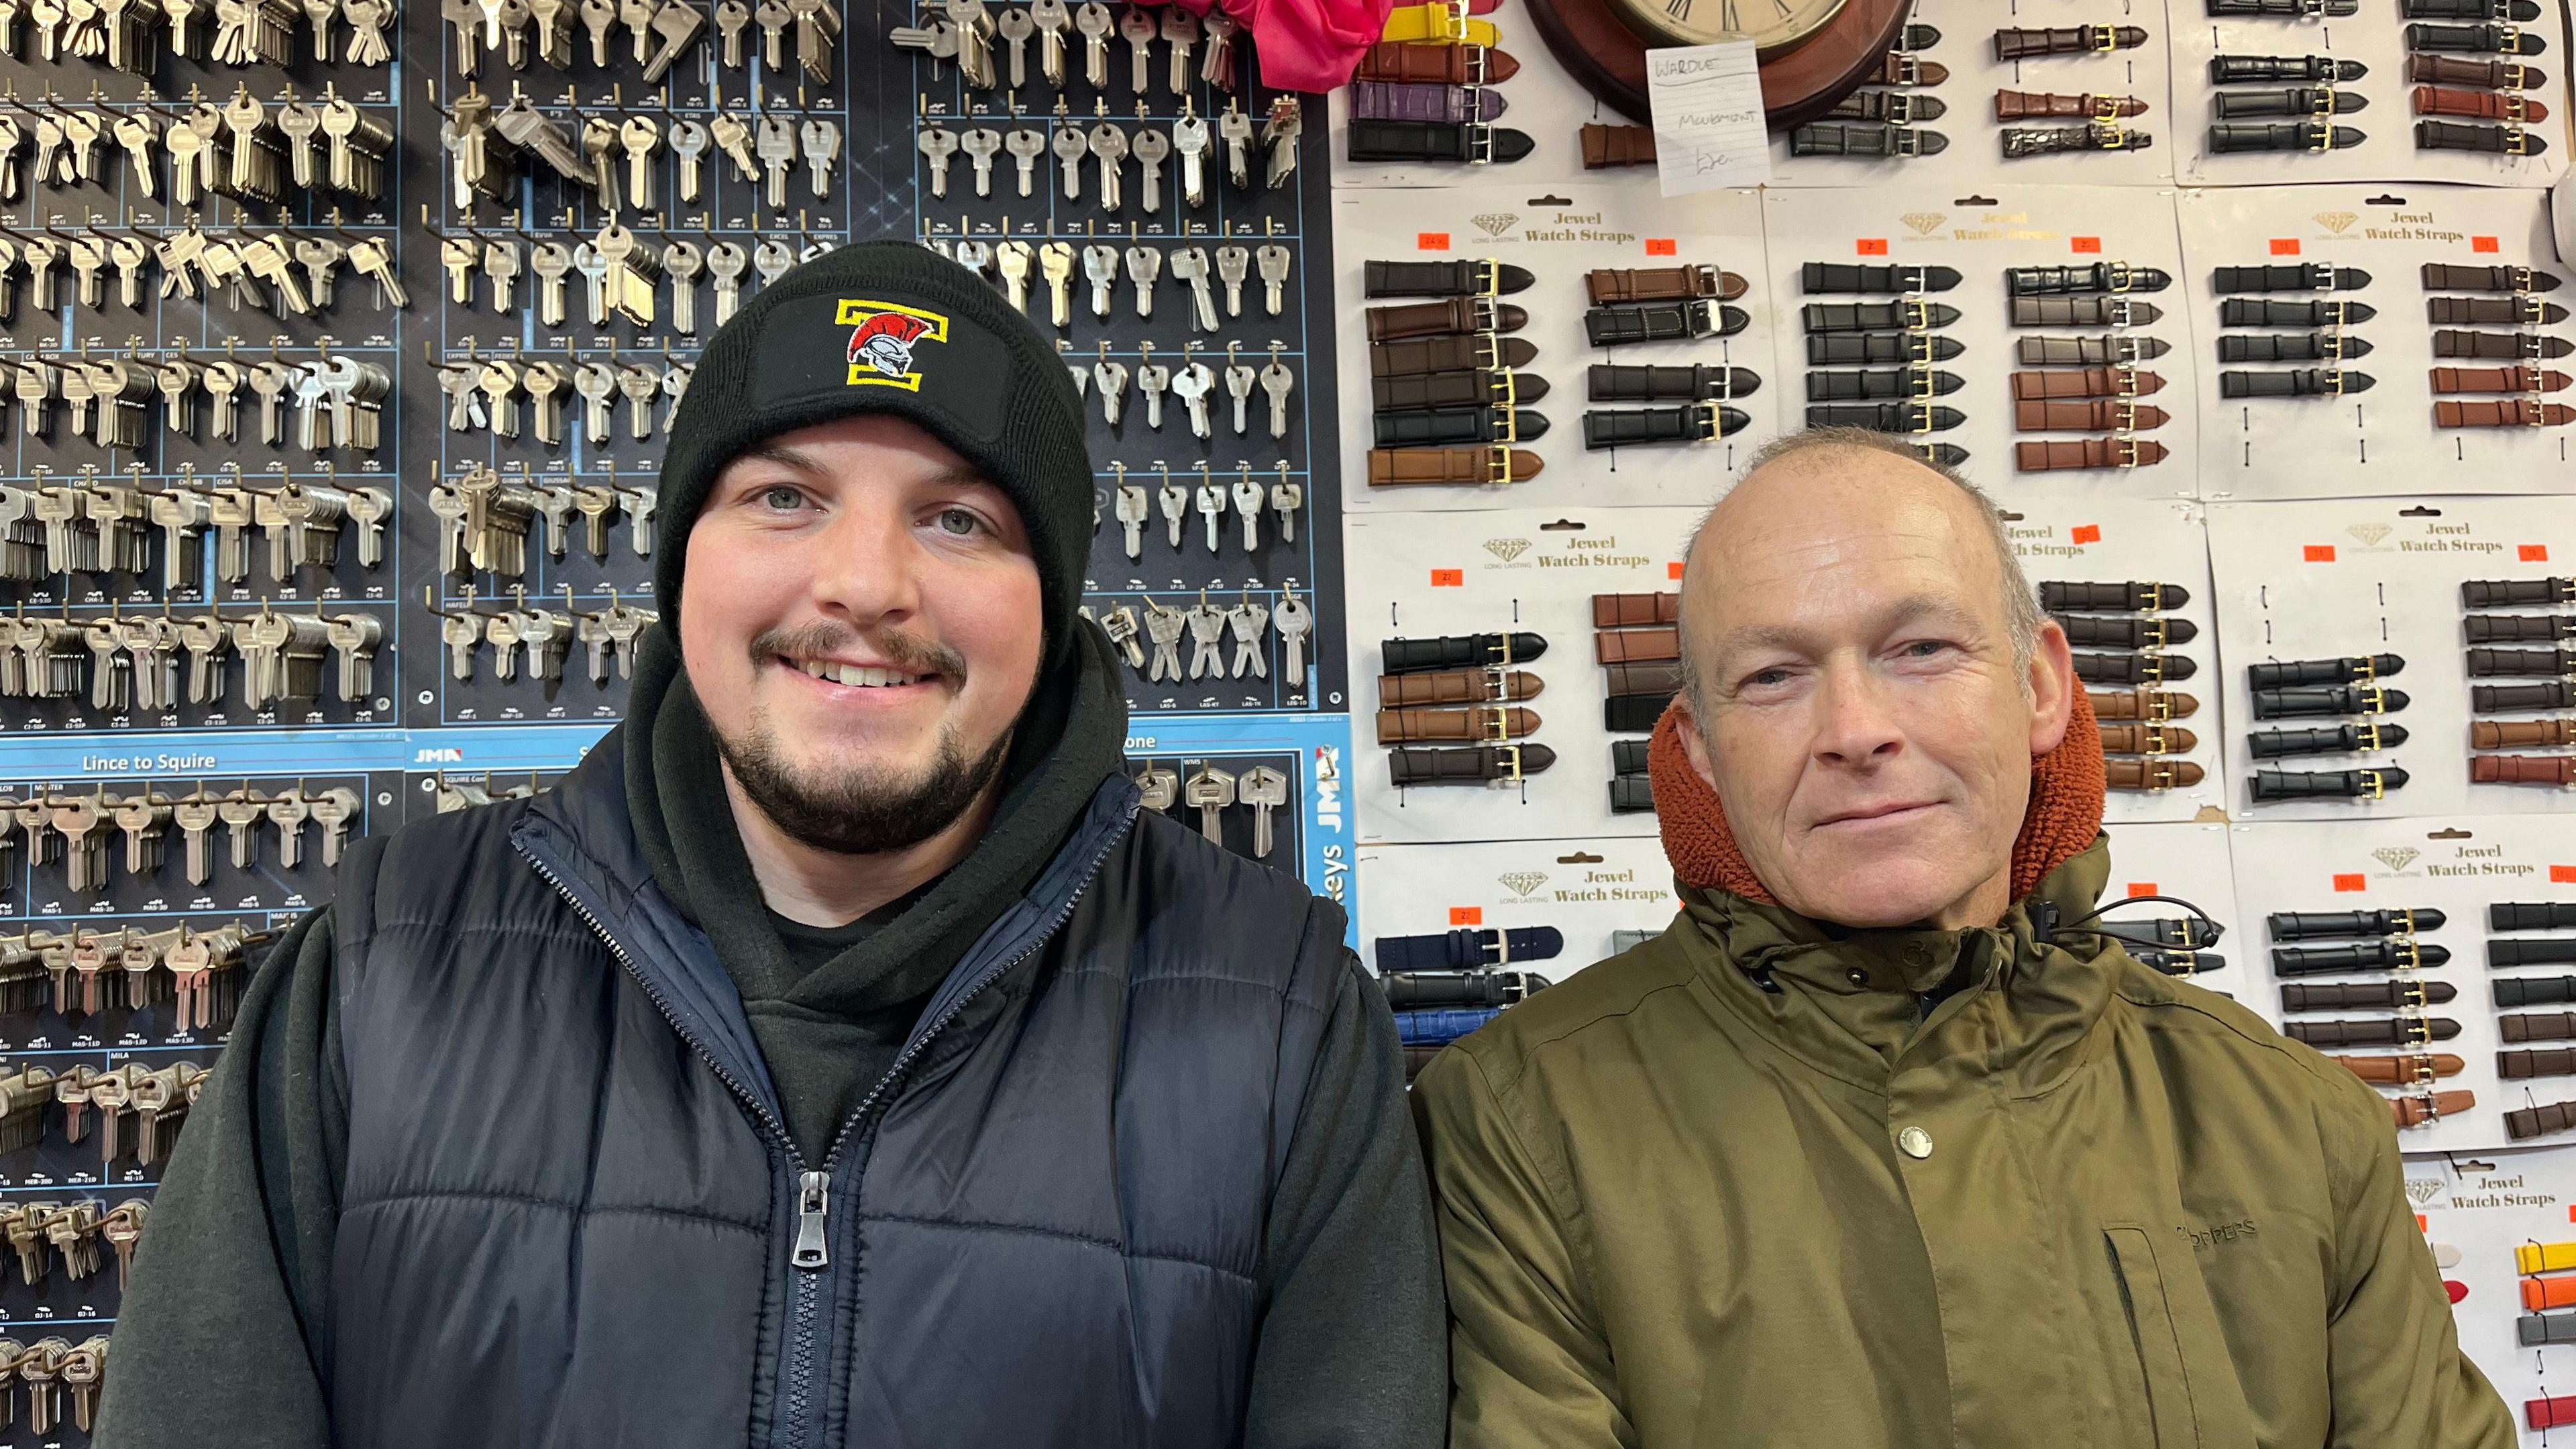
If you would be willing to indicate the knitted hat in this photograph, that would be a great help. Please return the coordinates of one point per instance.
(2064, 814)
(891, 327)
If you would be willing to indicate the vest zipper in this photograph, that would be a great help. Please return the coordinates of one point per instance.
(813, 1198)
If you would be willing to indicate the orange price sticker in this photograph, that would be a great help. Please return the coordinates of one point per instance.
(1431, 241)
(1662, 246)
(2532, 552)
(1673, 570)
(1871, 246)
(2485, 244)
(1466, 915)
(1448, 578)
(2142, 888)
(2085, 533)
(2317, 553)
(2562, 875)
(2353, 881)
(2087, 244)
(2285, 246)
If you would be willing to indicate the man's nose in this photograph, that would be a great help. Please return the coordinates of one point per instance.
(866, 569)
(1856, 716)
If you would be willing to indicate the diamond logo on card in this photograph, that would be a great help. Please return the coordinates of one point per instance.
(2423, 1189)
(2336, 221)
(2395, 857)
(1494, 223)
(1522, 882)
(1924, 223)
(1507, 549)
(2369, 533)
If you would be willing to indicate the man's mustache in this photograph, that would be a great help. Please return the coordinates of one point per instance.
(903, 651)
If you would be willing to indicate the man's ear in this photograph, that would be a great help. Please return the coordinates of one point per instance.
(1694, 743)
(2052, 688)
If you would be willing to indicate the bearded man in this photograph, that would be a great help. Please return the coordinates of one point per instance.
(836, 1056)
(1878, 1146)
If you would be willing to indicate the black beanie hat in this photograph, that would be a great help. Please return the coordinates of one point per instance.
(891, 327)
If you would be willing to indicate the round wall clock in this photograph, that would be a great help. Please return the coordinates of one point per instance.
(1814, 52)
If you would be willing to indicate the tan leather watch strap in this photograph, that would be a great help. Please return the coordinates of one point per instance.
(1608, 146)
(1456, 725)
(1609, 285)
(1451, 315)
(2522, 769)
(2147, 739)
(2142, 704)
(2416, 1111)
(1905, 68)
(2490, 734)
(2520, 412)
(1399, 467)
(2511, 107)
(1650, 676)
(1457, 65)
(2087, 416)
(2497, 379)
(1456, 686)
(2085, 382)
(2151, 772)
(2122, 452)
(2406, 1067)
(1623, 646)
(2025, 105)
(1626, 611)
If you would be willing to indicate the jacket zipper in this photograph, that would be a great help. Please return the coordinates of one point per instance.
(811, 1255)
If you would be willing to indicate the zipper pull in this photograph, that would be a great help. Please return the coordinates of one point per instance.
(813, 1201)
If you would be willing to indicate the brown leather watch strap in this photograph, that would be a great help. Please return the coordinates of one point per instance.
(2522, 769)
(2142, 704)
(2151, 772)
(1398, 467)
(2026, 105)
(1457, 65)
(2489, 734)
(2416, 1111)
(1451, 315)
(2391, 1071)
(2122, 452)
(2511, 107)
(1626, 611)
(1456, 686)
(1608, 146)
(1649, 676)
(2087, 416)
(1609, 285)
(1456, 725)
(2497, 379)
(2459, 70)
(1452, 353)
(2537, 1062)
(1904, 68)
(1623, 646)
(2537, 1026)
(2520, 412)
(2085, 382)
(2147, 739)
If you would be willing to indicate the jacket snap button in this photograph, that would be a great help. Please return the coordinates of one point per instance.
(1856, 976)
(1916, 1142)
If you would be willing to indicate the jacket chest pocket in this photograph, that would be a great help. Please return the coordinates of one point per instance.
(2193, 1398)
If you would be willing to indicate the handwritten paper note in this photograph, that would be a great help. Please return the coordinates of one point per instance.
(1707, 105)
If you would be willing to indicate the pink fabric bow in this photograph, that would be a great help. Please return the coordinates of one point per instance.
(1304, 45)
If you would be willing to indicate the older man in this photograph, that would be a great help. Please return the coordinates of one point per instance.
(1878, 1145)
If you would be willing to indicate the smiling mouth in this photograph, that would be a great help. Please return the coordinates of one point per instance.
(856, 676)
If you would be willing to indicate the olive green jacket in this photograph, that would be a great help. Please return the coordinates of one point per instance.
(1678, 1208)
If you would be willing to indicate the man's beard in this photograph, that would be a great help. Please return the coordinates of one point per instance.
(861, 809)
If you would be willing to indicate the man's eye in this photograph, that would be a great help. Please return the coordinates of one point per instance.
(782, 498)
(1924, 648)
(1767, 678)
(959, 522)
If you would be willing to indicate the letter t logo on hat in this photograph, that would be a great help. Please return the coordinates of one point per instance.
(882, 338)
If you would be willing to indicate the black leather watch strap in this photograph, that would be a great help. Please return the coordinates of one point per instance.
(2301, 8)
(2505, 593)
(1629, 757)
(2237, 70)
(2288, 277)
(2328, 784)
(1473, 143)
(1606, 382)
(2127, 631)
(1440, 990)
(1496, 387)
(2299, 382)
(1460, 651)
(2096, 277)
(2343, 739)
(2084, 312)
(2294, 102)
(2486, 39)
(2531, 916)
(1633, 714)
(1689, 423)
(2291, 347)
(2512, 991)
(2519, 11)
(1886, 417)
(2451, 277)
(2276, 312)
(2022, 42)
(1662, 322)
(2062, 595)
(2350, 669)
(2226, 137)
(2473, 136)
(1859, 349)
(2327, 700)
(1474, 278)
(1468, 950)
(2521, 311)
(1433, 427)
(1632, 795)
(2110, 350)
(1911, 315)
(2532, 951)
(1865, 138)
(1817, 278)
(2335, 925)
(2515, 698)
(2387, 953)
(1895, 108)
(2146, 668)
(2521, 663)
(2024, 141)
(1865, 384)
(1495, 765)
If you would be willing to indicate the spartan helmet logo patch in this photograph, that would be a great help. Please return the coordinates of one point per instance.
(884, 339)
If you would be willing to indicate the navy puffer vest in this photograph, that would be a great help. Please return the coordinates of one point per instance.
(571, 1216)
